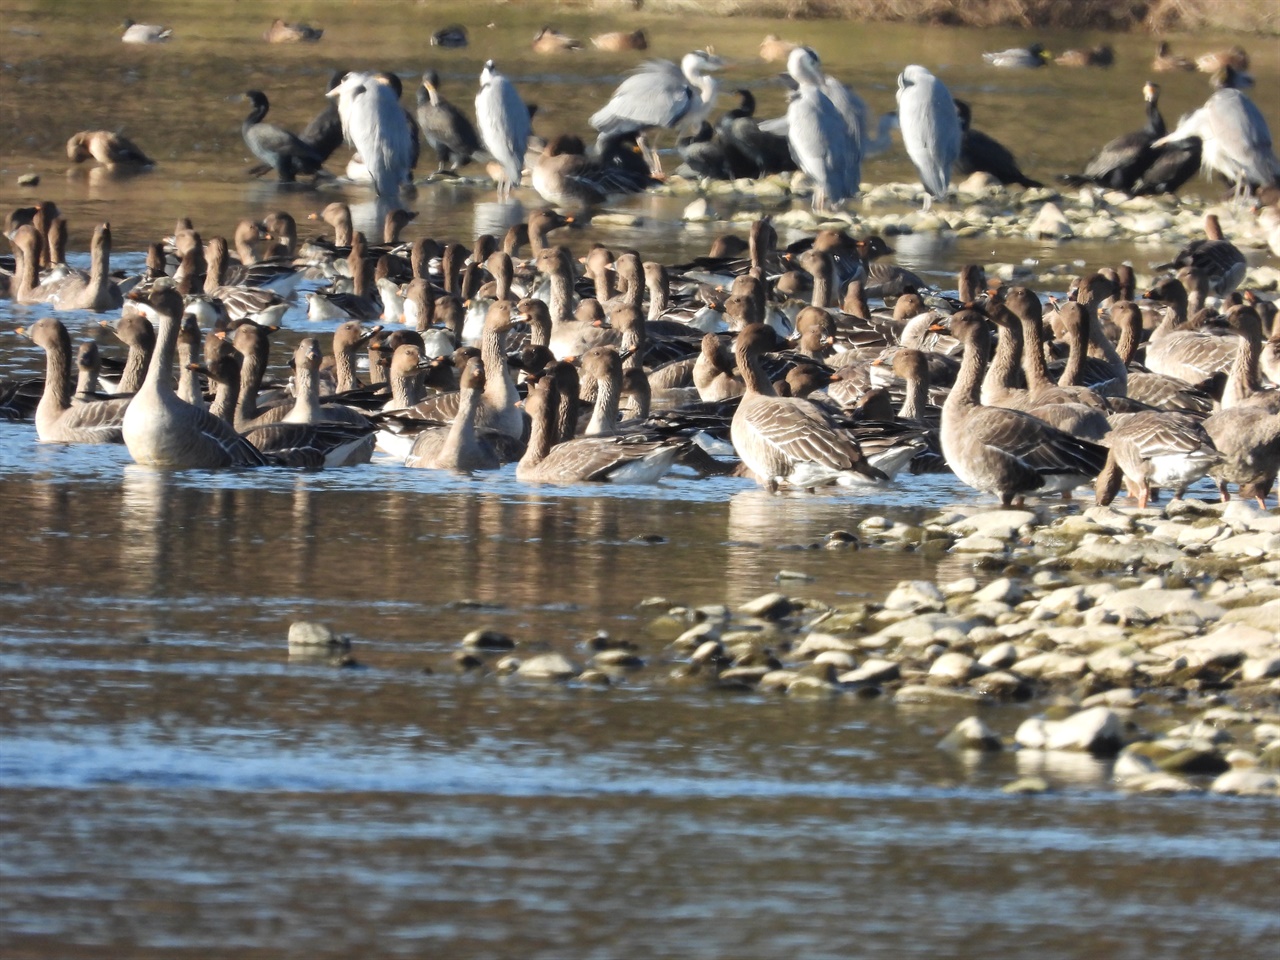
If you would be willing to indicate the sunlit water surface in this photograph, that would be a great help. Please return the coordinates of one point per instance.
(174, 784)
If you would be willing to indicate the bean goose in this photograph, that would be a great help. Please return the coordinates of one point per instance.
(163, 431)
(1004, 452)
(73, 290)
(621, 459)
(784, 440)
(58, 420)
(1155, 449)
(458, 447)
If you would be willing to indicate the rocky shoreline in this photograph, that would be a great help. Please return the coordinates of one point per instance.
(1149, 636)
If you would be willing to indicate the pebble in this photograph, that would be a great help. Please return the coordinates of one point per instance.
(304, 633)
(548, 666)
(489, 640)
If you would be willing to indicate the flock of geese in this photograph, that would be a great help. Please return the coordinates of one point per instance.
(753, 360)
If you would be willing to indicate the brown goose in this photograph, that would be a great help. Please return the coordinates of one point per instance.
(1248, 437)
(713, 372)
(457, 447)
(1244, 382)
(331, 435)
(1190, 355)
(58, 420)
(624, 459)
(162, 431)
(785, 440)
(1154, 449)
(255, 303)
(73, 291)
(1005, 452)
(88, 368)
(498, 410)
(1153, 389)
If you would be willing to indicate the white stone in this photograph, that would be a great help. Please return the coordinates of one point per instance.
(1003, 590)
(1049, 224)
(1228, 642)
(305, 633)
(1098, 729)
(1033, 733)
(997, 524)
(916, 596)
(1154, 604)
(1052, 666)
(957, 667)
(1260, 668)
(816, 643)
(548, 666)
(971, 733)
(1000, 657)
(1246, 782)
(872, 671)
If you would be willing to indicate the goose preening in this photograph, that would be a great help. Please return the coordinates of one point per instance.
(109, 149)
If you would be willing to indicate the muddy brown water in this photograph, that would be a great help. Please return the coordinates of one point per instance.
(172, 784)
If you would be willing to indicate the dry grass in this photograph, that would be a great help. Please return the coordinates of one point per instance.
(1155, 16)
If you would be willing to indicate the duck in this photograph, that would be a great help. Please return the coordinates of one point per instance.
(774, 49)
(551, 40)
(109, 149)
(630, 459)
(1006, 453)
(445, 128)
(786, 441)
(1166, 60)
(164, 432)
(145, 32)
(452, 37)
(281, 32)
(276, 147)
(620, 41)
(1101, 55)
(1234, 57)
(58, 419)
(458, 447)
(1018, 57)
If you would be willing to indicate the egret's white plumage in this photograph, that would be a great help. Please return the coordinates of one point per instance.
(375, 125)
(930, 128)
(504, 127)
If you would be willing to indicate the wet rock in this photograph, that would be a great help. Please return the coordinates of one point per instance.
(1226, 646)
(617, 660)
(956, 588)
(952, 667)
(489, 641)
(1050, 224)
(744, 676)
(707, 651)
(1003, 590)
(916, 596)
(999, 524)
(1052, 666)
(696, 635)
(1002, 685)
(816, 643)
(971, 734)
(1027, 785)
(1000, 657)
(1247, 545)
(1247, 783)
(837, 659)
(307, 634)
(28, 179)
(770, 606)
(1064, 599)
(872, 671)
(547, 666)
(1096, 730)
(940, 696)
(1260, 668)
(1109, 554)
(975, 543)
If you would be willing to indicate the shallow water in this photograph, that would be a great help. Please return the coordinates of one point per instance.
(173, 783)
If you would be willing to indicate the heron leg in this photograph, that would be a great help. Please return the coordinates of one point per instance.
(650, 151)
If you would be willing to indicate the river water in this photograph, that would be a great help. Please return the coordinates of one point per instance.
(174, 784)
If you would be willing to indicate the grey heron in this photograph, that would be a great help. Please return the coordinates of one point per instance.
(1236, 141)
(821, 141)
(660, 94)
(930, 128)
(504, 127)
(377, 127)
